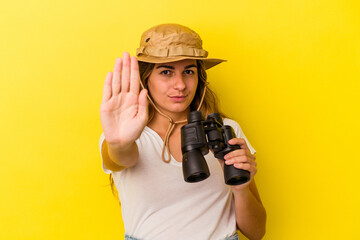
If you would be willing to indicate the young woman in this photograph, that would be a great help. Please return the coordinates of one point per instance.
(141, 145)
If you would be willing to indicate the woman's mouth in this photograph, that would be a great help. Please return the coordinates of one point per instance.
(178, 98)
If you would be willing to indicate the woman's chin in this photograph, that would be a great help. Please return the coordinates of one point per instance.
(177, 109)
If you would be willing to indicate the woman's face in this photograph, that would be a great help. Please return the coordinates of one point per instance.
(173, 85)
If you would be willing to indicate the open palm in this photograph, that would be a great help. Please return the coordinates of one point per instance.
(123, 110)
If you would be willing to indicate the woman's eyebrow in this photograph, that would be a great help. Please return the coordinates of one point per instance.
(190, 66)
(171, 67)
(165, 66)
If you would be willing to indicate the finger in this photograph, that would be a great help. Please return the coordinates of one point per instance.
(107, 87)
(134, 76)
(236, 160)
(240, 152)
(116, 87)
(251, 156)
(125, 74)
(251, 162)
(244, 166)
(239, 141)
(143, 104)
(241, 159)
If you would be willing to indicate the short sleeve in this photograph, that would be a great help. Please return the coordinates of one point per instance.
(239, 133)
(103, 153)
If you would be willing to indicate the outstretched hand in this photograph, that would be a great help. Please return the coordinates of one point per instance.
(123, 110)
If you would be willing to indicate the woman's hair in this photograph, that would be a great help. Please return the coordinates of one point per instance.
(210, 103)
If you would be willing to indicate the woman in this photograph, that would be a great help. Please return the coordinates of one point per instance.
(141, 145)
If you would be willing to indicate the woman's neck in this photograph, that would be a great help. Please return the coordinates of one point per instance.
(160, 123)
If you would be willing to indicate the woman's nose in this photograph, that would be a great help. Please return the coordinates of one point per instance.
(179, 82)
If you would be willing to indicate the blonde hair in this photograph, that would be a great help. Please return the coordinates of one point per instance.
(210, 103)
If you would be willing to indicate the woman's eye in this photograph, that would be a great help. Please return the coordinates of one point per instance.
(189, 72)
(165, 72)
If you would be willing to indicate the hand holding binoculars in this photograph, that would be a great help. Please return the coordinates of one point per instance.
(197, 137)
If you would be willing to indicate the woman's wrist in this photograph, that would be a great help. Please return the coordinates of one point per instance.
(119, 146)
(240, 191)
(125, 156)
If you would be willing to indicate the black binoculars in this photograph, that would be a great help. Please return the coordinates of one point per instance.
(194, 145)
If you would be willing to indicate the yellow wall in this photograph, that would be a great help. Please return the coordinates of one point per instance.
(292, 82)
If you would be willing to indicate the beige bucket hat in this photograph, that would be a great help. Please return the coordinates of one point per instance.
(171, 43)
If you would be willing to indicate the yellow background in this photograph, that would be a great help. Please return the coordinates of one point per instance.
(292, 82)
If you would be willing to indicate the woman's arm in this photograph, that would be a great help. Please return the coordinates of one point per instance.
(249, 211)
(116, 159)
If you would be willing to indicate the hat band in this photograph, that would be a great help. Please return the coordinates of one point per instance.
(171, 52)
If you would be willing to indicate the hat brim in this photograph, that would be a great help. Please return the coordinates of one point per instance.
(208, 62)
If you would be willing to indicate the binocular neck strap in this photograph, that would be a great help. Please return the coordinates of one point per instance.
(172, 124)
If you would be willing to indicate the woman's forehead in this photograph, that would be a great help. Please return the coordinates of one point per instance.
(181, 63)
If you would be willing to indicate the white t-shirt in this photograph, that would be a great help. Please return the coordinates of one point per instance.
(156, 202)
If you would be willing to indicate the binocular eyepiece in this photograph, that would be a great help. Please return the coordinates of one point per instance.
(197, 137)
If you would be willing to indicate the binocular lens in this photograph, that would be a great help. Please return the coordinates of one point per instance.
(197, 177)
(195, 168)
(237, 180)
(235, 176)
